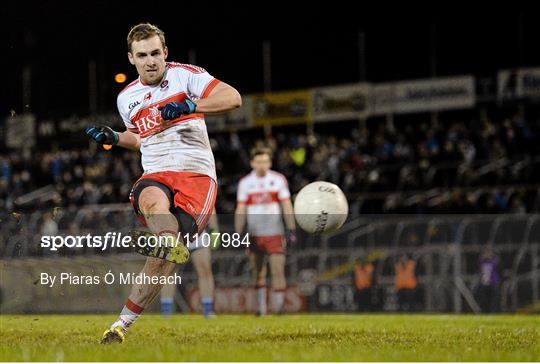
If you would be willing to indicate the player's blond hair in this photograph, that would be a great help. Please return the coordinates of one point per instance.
(144, 31)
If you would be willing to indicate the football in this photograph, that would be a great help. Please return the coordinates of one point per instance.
(320, 207)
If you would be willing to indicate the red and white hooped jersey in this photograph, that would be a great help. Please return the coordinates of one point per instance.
(170, 145)
(263, 195)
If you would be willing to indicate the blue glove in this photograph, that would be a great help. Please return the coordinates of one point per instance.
(102, 134)
(290, 238)
(174, 109)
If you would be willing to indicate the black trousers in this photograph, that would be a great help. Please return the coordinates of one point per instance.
(363, 299)
(489, 298)
(407, 300)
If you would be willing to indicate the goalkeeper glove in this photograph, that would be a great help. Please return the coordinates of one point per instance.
(172, 110)
(102, 134)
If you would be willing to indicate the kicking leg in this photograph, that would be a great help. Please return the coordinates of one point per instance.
(154, 204)
(153, 201)
(141, 296)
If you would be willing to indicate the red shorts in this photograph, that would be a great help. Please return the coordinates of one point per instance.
(268, 244)
(194, 193)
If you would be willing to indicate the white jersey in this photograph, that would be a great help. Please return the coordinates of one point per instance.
(170, 145)
(263, 195)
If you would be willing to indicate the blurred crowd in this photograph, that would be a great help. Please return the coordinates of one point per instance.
(456, 167)
(488, 166)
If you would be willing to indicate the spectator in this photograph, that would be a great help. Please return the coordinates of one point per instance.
(406, 283)
(489, 289)
(363, 282)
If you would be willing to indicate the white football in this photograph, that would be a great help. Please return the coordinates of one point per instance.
(320, 207)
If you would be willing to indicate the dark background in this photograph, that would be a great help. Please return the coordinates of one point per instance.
(311, 45)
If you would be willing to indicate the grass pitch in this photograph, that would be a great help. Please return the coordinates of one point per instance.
(274, 338)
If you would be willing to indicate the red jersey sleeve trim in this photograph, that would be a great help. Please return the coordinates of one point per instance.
(209, 87)
(133, 130)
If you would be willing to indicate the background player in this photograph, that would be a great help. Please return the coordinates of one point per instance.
(201, 258)
(263, 196)
(163, 113)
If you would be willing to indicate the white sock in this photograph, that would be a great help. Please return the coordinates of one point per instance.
(278, 298)
(261, 299)
(129, 314)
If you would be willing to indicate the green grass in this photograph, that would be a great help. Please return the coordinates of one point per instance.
(281, 338)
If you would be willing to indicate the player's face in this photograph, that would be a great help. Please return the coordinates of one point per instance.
(261, 164)
(148, 56)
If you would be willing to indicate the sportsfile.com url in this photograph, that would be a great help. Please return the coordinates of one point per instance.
(119, 240)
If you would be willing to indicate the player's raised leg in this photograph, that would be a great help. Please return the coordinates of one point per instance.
(155, 207)
(279, 284)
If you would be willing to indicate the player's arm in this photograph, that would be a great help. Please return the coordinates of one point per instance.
(209, 96)
(222, 98)
(241, 208)
(104, 135)
(284, 196)
(288, 214)
(129, 140)
(240, 217)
